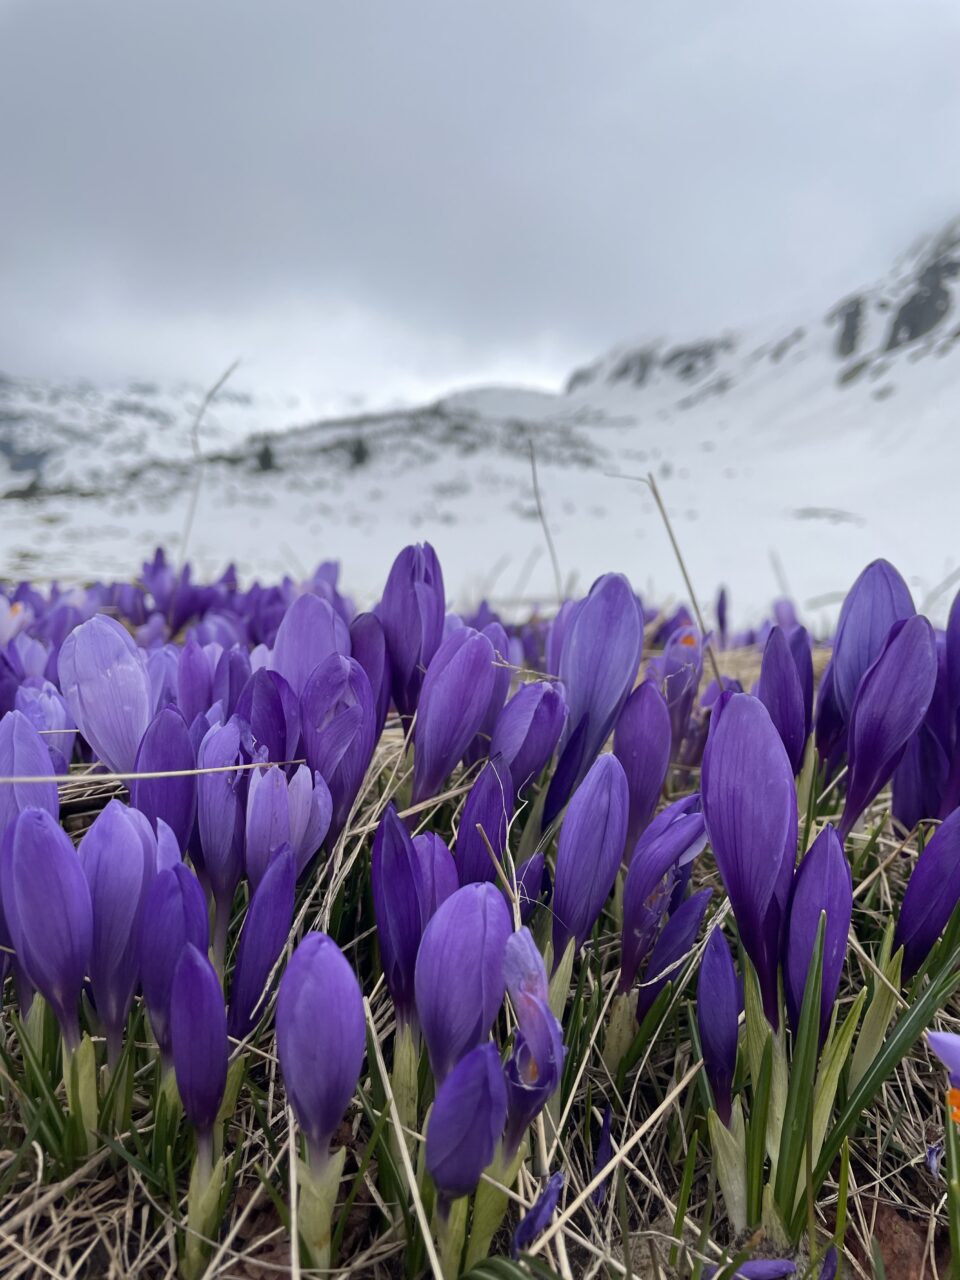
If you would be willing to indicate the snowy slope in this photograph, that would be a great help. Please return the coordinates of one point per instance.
(785, 457)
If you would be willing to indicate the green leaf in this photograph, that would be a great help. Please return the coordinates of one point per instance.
(730, 1163)
(835, 1053)
(647, 1027)
(953, 1180)
(800, 1094)
(757, 1133)
(882, 1007)
(683, 1196)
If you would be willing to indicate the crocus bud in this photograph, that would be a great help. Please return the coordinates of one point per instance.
(194, 681)
(781, 693)
(339, 731)
(528, 729)
(877, 600)
(272, 710)
(830, 732)
(23, 755)
(757, 1269)
(600, 653)
(46, 903)
(174, 914)
(167, 748)
(438, 871)
(455, 695)
(682, 669)
(220, 810)
(932, 894)
(321, 1038)
(398, 887)
(588, 852)
(369, 648)
(642, 743)
(502, 675)
(44, 706)
(490, 806)
(412, 613)
(311, 631)
(750, 808)
(264, 934)
(822, 884)
(920, 778)
(671, 842)
(537, 1218)
(198, 1026)
(533, 1070)
(718, 1013)
(890, 704)
(458, 978)
(118, 855)
(104, 680)
(466, 1123)
(675, 941)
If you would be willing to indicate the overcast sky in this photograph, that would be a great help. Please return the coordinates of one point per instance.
(387, 199)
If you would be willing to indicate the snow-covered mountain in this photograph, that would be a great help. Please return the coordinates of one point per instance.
(787, 458)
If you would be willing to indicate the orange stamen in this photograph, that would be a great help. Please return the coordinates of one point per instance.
(953, 1097)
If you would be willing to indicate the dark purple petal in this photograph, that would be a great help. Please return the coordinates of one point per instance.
(104, 680)
(920, 779)
(198, 1028)
(266, 928)
(272, 710)
(369, 648)
(532, 1073)
(602, 1157)
(781, 692)
(194, 681)
(532, 880)
(481, 745)
(438, 871)
(466, 1122)
(459, 979)
(718, 1012)
(523, 969)
(267, 820)
(589, 851)
(877, 600)
(339, 731)
(455, 695)
(167, 748)
(24, 755)
(310, 807)
(890, 704)
(757, 1269)
(310, 632)
(822, 884)
(642, 743)
(528, 729)
(931, 897)
(399, 899)
(682, 669)
(946, 1046)
(321, 1037)
(830, 725)
(230, 678)
(412, 613)
(46, 903)
(174, 913)
(750, 808)
(220, 811)
(801, 648)
(489, 805)
(537, 1218)
(676, 940)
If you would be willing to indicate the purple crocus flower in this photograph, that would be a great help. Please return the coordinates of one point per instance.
(220, 813)
(198, 1027)
(266, 928)
(642, 743)
(537, 1218)
(438, 871)
(412, 614)
(118, 855)
(399, 896)
(44, 706)
(671, 842)
(588, 852)
(932, 894)
(453, 701)
(46, 905)
(321, 1039)
(167, 748)
(24, 755)
(294, 811)
(369, 648)
(822, 884)
(465, 1124)
(600, 653)
(830, 728)
(676, 939)
(682, 667)
(528, 729)
(502, 675)
(750, 808)
(311, 631)
(920, 779)
(194, 680)
(877, 600)
(890, 704)
(339, 731)
(757, 1269)
(272, 710)
(230, 677)
(718, 1013)
(946, 1045)
(781, 692)
(602, 1157)
(174, 914)
(458, 979)
(489, 805)
(104, 680)
(533, 1069)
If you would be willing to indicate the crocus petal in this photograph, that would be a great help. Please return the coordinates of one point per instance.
(24, 755)
(537, 1218)
(369, 647)
(946, 1046)
(532, 881)
(399, 897)
(757, 1269)
(438, 871)
(267, 820)
(718, 1012)
(532, 1073)
(523, 969)
(642, 743)
(490, 806)
(339, 731)
(412, 613)
(167, 748)
(782, 694)
(220, 810)
(272, 710)
(602, 1157)
(198, 1025)
(310, 632)
(931, 897)
(194, 680)
(174, 913)
(466, 1122)
(458, 979)
(890, 704)
(265, 931)
(528, 729)
(682, 669)
(676, 940)
(321, 1037)
(877, 600)
(589, 851)
(104, 680)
